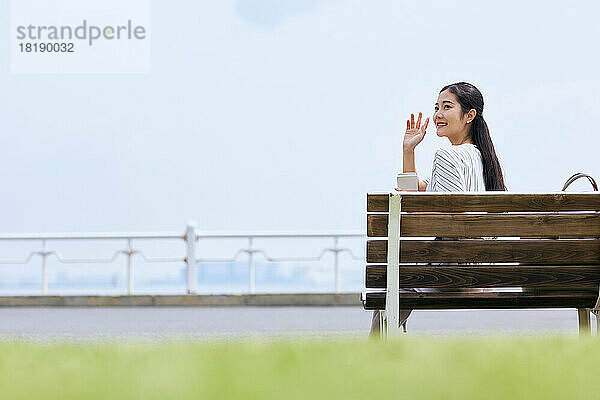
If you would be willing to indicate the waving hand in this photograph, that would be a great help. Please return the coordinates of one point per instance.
(414, 132)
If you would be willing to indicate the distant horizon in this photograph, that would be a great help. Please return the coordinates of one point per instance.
(213, 278)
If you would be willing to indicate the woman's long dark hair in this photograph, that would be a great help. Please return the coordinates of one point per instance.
(469, 98)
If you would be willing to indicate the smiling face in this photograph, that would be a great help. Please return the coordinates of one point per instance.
(449, 119)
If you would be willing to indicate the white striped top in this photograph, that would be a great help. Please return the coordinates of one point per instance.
(457, 169)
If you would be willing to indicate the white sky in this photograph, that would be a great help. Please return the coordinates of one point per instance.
(282, 115)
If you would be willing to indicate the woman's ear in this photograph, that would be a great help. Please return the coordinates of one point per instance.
(471, 115)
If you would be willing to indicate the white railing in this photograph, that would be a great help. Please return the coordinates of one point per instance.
(191, 258)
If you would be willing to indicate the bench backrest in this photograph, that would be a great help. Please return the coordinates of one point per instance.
(545, 240)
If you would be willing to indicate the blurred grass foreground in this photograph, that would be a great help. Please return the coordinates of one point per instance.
(465, 368)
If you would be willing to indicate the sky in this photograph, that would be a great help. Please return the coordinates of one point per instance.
(271, 115)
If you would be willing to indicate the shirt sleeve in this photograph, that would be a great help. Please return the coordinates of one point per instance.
(446, 174)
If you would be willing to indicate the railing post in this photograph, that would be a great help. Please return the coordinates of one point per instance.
(250, 267)
(190, 238)
(44, 272)
(336, 252)
(129, 268)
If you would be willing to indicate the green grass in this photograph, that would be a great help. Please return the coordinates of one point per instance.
(419, 368)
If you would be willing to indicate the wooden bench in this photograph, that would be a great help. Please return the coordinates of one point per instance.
(548, 244)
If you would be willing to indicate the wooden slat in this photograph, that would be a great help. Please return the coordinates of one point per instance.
(488, 202)
(378, 202)
(477, 225)
(494, 300)
(487, 276)
(527, 251)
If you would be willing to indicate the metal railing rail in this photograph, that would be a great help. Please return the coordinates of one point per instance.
(191, 237)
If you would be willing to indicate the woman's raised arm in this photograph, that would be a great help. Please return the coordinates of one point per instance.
(413, 136)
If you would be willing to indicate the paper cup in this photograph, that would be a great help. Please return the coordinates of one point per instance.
(407, 181)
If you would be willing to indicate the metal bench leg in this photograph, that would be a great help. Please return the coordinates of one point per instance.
(382, 322)
(583, 316)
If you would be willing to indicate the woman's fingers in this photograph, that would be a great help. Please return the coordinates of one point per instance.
(410, 124)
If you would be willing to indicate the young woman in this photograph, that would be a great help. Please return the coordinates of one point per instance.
(469, 165)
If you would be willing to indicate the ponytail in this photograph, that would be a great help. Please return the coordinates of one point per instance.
(492, 172)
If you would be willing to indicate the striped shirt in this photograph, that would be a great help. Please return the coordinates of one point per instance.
(457, 169)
